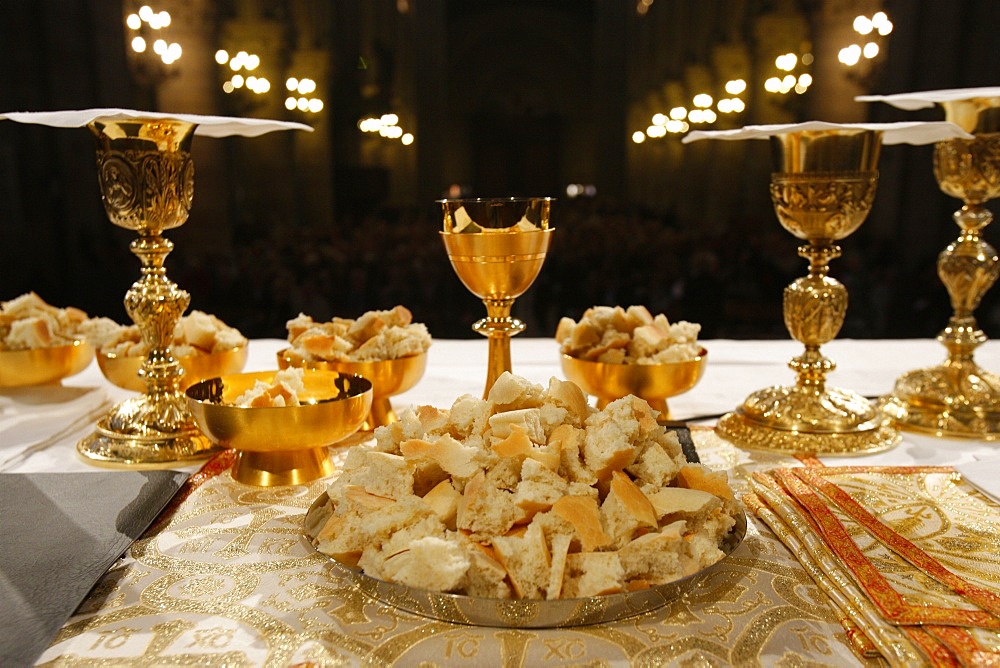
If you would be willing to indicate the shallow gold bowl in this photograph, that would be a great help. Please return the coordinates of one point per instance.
(281, 445)
(652, 382)
(388, 377)
(39, 366)
(123, 370)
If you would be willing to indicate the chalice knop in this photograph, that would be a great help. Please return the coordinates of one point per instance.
(497, 247)
(957, 398)
(146, 177)
(822, 192)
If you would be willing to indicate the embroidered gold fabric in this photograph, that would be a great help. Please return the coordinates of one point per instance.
(226, 578)
(908, 554)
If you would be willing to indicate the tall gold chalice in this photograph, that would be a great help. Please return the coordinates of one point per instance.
(957, 398)
(822, 191)
(146, 177)
(497, 247)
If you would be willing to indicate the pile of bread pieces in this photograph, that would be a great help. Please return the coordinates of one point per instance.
(197, 333)
(530, 493)
(28, 322)
(376, 335)
(615, 335)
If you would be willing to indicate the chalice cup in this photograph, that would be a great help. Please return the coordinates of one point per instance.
(822, 192)
(146, 176)
(958, 399)
(497, 247)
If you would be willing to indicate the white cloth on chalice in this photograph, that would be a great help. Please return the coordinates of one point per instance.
(928, 98)
(904, 132)
(208, 126)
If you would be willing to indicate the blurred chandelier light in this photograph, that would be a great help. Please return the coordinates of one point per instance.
(298, 98)
(242, 61)
(678, 120)
(870, 29)
(144, 27)
(788, 82)
(386, 125)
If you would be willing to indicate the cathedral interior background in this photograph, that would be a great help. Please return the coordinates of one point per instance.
(414, 100)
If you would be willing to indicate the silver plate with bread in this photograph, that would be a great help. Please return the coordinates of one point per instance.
(529, 613)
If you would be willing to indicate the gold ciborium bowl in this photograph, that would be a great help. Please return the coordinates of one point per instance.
(123, 370)
(388, 378)
(40, 366)
(285, 445)
(653, 382)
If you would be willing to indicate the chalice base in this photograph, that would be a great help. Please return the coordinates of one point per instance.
(953, 400)
(285, 467)
(125, 438)
(799, 420)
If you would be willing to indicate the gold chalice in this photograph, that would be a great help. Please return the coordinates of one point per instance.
(285, 445)
(123, 370)
(958, 398)
(497, 247)
(388, 377)
(653, 382)
(146, 177)
(822, 192)
(40, 366)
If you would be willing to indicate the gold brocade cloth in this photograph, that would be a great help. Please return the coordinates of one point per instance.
(226, 577)
(910, 556)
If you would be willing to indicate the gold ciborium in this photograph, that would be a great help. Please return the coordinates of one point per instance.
(497, 247)
(957, 398)
(146, 177)
(655, 383)
(388, 377)
(822, 192)
(281, 445)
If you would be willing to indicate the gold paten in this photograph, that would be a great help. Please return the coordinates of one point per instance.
(822, 192)
(957, 398)
(146, 177)
(497, 247)
(281, 445)
(39, 366)
(123, 370)
(388, 377)
(653, 382)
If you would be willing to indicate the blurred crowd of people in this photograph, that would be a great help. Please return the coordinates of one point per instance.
(731, 284)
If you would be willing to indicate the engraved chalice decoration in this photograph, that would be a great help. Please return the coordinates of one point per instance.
(957, 398)
(146, 177)
(497, 247)
(822, 192)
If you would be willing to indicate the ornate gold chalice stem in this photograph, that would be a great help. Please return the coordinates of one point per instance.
(822, 192)
(957, 398)
(146, 177)
(497, 247)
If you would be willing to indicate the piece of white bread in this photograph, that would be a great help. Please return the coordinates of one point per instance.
(283, 390)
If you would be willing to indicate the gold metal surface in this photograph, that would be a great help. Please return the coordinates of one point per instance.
(40, 366)
(497, 247)
(281, 445)
(822, 192)
(957, 398)
(653, 382)
(123, 370)
(146, 177)
(528, 613)
(388, 378)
